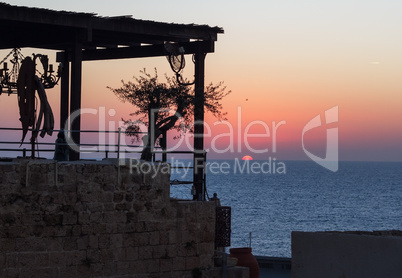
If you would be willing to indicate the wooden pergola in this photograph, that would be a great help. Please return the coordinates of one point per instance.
(80, 37)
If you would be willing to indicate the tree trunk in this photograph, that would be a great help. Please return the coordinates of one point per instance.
(161, 128)
(146, 153)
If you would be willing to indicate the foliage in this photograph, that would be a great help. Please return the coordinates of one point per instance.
(169, 105)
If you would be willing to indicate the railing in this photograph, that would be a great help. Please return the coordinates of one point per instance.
(107, 149)
(100, 148)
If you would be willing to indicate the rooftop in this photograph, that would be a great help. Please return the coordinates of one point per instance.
(49, 29)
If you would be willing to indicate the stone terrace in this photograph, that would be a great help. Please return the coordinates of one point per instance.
(92, 219)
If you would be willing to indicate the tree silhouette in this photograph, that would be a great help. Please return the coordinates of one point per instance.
(161, 105)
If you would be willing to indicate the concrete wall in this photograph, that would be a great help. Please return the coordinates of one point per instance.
(347, 254)
(77, 220)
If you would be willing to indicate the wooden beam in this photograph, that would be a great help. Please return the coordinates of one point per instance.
(140, 51)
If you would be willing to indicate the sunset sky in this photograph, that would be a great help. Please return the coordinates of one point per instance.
(283, 61)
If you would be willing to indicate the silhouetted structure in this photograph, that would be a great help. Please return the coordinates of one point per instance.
(85, 37)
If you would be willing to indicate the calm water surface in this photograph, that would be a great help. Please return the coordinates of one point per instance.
(360, 196)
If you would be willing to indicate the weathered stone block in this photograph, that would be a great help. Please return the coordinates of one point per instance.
(136, 267)
(159, 252)
(145, 252)
(154, 238)
(109, 170)
(166, 265)
(96, 217)
(110, 269)
(87, 229)
(57, 259)
(29, 244)
(8, 167)
(40, 272)
(110, 180)
(108, 207)
(192, 262)
(12, 180)
(141, 239)
(77, 257)
(108, 255)
(206, 247)
(83, 242)
(42, 259)
(151, 266)
(106, 197)
(2, 261)
(54, 231)
(103, 241)
(94, 256)
(70, 243)
(93, 241)
(132, 217)
(53, 220)
(123, 268)
(173, 236)
(118, 197)
(76, 230)
(129, 197)
(112, 228)
(27, 260)
(89, 196)
(7, 245)
(109, 186)
(163, 237)
(70, 186)
(114, 217)
(206, 260)
(119, 254)
(84, 270)
(128, 239)
(12, 260)
(179, 263)
(32, 219)
(96, 270)
(98, 228)
(70, 218)
(171, 251)
(68, 271)
(122, 207)
(10, 273)
(131, 253)
(116, 240)
(94, 207)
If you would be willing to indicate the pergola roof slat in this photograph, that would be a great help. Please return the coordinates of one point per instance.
(43, 28)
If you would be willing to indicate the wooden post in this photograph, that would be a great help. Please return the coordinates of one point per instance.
(199, 100)
(75, 96)
(64, 91)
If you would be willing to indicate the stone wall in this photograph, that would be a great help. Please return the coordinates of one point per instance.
(89, 219)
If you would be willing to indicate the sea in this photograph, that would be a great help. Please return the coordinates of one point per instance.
(270, 199)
